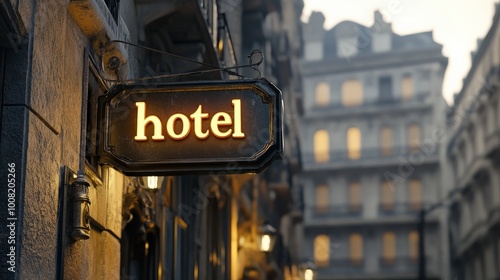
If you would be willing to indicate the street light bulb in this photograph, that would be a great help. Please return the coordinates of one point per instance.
(153, 182)
(308, 274)
(265, 243)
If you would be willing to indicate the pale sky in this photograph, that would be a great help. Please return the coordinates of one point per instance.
(457, 24)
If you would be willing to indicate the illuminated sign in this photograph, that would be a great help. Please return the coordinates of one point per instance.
(226, 126)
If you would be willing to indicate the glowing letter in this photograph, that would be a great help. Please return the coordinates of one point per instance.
(142, 122)
(237, 119)
(216, 121)
(197, 116)
(186, 126)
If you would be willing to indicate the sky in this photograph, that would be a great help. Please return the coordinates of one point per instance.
(456, 24)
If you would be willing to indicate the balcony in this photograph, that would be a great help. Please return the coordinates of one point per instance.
(346, 266)
(337, 211)
(419, 101)
(399, 264)
(398, 209)
(371, 157)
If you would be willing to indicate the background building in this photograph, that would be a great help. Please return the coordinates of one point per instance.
(56, 59)
(372, 105)
(473, 152)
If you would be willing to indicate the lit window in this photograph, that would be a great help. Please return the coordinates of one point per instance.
(322, 250)
(321, 198)
(352, 93)
(414, 136)
(386, 141)
(413, 245)
(415, 194)
(356, 248)
(322, 94)
(354, 196)
(353, 143)
(407, 87)
(389, 245)
(387, 195)
(321, 146)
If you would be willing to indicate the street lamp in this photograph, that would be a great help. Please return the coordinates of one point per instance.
(153, 183)
(307, 270)
(267, 237)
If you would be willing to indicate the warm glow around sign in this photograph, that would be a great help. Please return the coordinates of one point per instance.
(222, 125)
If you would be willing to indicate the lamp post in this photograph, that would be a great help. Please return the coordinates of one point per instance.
(421, 245)
(422, 270)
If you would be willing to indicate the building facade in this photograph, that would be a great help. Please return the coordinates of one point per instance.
(473, 156)
(371, 109)
(68, 216)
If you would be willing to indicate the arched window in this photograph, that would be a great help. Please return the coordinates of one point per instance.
(322, 250)
(322, 200)
(355, 196)
(407, 87)
(414, 137)
(386, 141)
(321, 146)
(353, 143)
(413, 245)
(415, 194)
(352, 93)
(389, 247)
(356, 248)
(322, 94)
(387, 195)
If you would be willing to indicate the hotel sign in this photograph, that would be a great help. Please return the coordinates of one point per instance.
(224, 126)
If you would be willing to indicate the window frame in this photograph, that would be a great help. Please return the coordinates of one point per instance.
(354, 135)
(321, 155)
(326, 261)
(352, 93)
(322, 94)
(356, 251)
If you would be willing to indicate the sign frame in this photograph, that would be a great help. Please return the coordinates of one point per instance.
(271, 149)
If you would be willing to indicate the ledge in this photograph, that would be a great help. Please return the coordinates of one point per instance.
(96, 22)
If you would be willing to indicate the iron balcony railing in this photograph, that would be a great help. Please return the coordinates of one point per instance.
(338, 211)
(341, 266)
(416, 153)
(400, 208)
(400, 264)
(417, 99)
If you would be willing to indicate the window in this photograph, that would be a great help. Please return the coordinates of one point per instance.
(356, 248)
(321, 146)
(387, 195)
(322, 94)
(386, 141)
(389, 247)
(95, 88)
(113, 6)
(321, 198)
(415, 194)
(414, 136)
(322, 250)
(353, 143)
(385, 89)
(352, 93)
(413, 240)
(407, 87)
(354, 196)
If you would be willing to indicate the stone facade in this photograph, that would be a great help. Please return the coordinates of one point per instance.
(372, 113)
(56, 58)
(474, 164)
